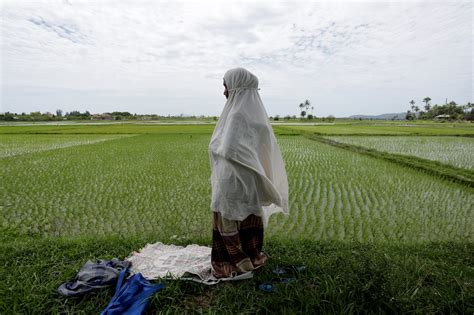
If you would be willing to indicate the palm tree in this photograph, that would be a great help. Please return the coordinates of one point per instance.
(306, 105)
(412, 103)
(468, 106)
(304, 108)
(427, 102)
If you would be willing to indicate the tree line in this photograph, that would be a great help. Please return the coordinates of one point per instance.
(451, 111)
(76, 115)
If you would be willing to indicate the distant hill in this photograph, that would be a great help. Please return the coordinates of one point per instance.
(388, 116)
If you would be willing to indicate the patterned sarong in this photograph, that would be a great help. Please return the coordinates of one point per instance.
(236, 245)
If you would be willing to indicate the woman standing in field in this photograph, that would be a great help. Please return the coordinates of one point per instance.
(249, 181)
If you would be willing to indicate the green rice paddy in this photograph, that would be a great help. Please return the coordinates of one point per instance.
(132, 185)
(360, 224)
(455, 151)
(17, 144)
(405, 129)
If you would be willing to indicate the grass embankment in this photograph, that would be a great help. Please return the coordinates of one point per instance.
(342, 277)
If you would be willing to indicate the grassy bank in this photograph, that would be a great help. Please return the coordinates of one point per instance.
(341, 277)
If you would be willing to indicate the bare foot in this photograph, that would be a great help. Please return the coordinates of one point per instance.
(260, 261)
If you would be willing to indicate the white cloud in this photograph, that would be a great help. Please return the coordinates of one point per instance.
(169, 57)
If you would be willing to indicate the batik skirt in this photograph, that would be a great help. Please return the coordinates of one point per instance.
(236, 245)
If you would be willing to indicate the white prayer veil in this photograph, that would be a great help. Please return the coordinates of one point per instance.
(248, 172)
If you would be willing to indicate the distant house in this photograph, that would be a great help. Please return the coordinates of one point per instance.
(442, 117)
(104, 116)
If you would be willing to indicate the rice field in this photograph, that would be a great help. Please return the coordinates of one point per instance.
(105, 128)
(12, 145)
(376, 236)
(150, 184)
(338, 195)
(402, 129)
(138, 184)
(455, 151)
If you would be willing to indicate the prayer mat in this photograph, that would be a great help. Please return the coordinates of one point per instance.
(192, 262)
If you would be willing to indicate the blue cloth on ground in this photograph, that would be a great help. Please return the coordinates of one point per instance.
(131, 297)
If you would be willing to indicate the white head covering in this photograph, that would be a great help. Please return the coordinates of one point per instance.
(248, 172)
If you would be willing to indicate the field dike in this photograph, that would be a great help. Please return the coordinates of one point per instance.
(451, 173)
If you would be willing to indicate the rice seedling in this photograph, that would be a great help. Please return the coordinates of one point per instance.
(386, 129)
(159, 185)
(123, 128)
(365, 199)
(375, 236)
(455, 151)
(16, 144)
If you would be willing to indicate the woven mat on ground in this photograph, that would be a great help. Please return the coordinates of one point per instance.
(192, 262)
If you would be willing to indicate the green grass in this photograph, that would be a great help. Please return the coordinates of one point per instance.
(341, 278)
(376, 236)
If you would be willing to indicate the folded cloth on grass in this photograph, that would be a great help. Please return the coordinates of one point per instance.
(91, 276)
(192, 262)
(131, 296)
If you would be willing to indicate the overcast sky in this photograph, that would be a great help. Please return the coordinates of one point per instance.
(169, 57)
